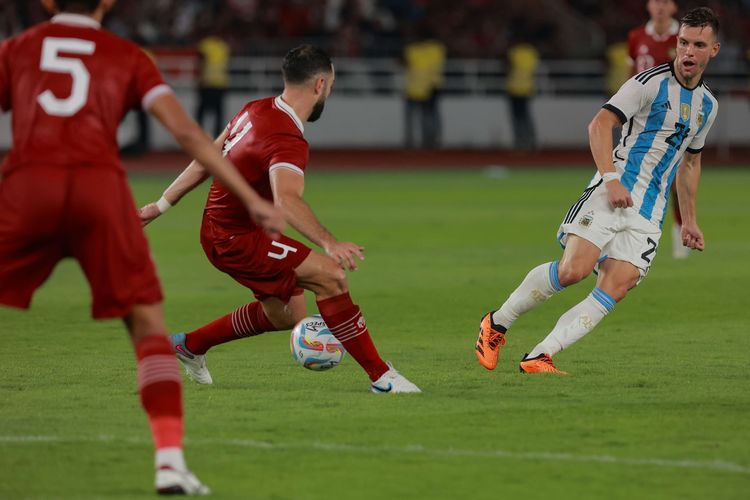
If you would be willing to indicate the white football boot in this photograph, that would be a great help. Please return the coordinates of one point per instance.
(195, 364)
(393, 382)
(173, 482)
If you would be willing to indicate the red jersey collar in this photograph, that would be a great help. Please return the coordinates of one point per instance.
(288, 110)
(674, 28)
(76, 20)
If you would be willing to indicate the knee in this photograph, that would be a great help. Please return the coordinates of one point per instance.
(330, 280)
(570, 273)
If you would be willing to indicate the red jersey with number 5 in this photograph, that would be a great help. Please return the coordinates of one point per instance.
(647, 49)
(264, 136)
(69, 85)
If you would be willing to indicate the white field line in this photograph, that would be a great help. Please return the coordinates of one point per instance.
(544, 456)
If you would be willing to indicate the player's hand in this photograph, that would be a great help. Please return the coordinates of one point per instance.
(618, 196)
(345, 254)
(148, 213)
(266, 215)
(692, 237)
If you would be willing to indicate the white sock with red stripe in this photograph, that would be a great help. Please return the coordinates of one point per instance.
(160, 387)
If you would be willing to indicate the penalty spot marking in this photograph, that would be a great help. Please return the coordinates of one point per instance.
(543, 456)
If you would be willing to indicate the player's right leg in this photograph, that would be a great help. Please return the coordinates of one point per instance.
(577, 262)
(160, 388)
(324, 277)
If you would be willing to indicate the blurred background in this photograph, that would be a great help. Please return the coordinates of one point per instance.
(479, 77)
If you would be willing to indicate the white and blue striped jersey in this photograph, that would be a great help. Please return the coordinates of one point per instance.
(661, 120)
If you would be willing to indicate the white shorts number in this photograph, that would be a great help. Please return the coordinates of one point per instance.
(52, 61)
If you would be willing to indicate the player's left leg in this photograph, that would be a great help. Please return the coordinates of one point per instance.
(616, 277)
(160, 388)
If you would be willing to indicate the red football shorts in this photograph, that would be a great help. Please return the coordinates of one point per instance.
(254, 260)
(49, 213)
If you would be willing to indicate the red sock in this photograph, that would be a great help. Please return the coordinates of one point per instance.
(346, 323)
(246, 321)
(160, 386)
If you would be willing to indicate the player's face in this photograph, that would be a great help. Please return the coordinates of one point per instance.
(695, 47)
(661, 10)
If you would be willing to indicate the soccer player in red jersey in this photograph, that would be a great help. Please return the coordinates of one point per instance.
(265, 141)
(649, 46)
(64, 193)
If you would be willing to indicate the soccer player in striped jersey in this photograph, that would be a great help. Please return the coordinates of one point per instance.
(652, 45)
(614, 227)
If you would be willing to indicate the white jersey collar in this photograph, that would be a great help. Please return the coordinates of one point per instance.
(674, 28)
(288, 110)
(76, 20)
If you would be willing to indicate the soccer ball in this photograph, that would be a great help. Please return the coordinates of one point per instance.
(314, 346)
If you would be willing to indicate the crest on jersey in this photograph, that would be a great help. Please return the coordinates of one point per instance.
(685, 111)
(701, 117)
(586, 220)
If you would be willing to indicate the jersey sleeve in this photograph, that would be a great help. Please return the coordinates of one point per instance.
(288, 152)
(4, 76)
(628, 100)
(696, 145)
(148, 82)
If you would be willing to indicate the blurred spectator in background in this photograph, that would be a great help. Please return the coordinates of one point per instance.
(523, 61)
(656, 42)
(214, 80)
(619, 67)
(424, 58)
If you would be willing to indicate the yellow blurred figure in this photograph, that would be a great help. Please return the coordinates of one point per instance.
(214, 80)
(425, 65)
(523, 59)
(618, 66)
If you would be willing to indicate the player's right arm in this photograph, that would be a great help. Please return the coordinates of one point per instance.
(167, 109)
(288, 187)
(600, 141)
(190, 178)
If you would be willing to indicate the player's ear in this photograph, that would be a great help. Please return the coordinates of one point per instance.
(715, 49)
(320, 85)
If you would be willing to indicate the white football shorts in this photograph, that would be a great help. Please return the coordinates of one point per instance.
(620, 233)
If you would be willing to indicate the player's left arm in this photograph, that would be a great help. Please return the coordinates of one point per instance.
(193, 176)
(688, 178)
(288, 186)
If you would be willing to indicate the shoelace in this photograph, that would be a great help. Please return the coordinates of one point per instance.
(496, 341)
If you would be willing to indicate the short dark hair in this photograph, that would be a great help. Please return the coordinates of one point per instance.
(78, 5)
(700, 17)
(304, 62)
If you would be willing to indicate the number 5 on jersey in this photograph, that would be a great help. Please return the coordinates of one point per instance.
(53, 62)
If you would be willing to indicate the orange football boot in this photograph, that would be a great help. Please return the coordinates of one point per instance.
(488, 344)
(540, 364)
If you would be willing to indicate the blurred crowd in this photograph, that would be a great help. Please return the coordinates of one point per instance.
(372, 28)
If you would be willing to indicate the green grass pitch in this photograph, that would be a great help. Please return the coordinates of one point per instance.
(657, 406)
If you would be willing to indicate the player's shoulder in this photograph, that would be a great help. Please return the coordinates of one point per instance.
(654, 75)
(276, 116)
(709, 94)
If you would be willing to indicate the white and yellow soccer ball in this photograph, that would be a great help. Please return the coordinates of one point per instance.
(314, 346)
